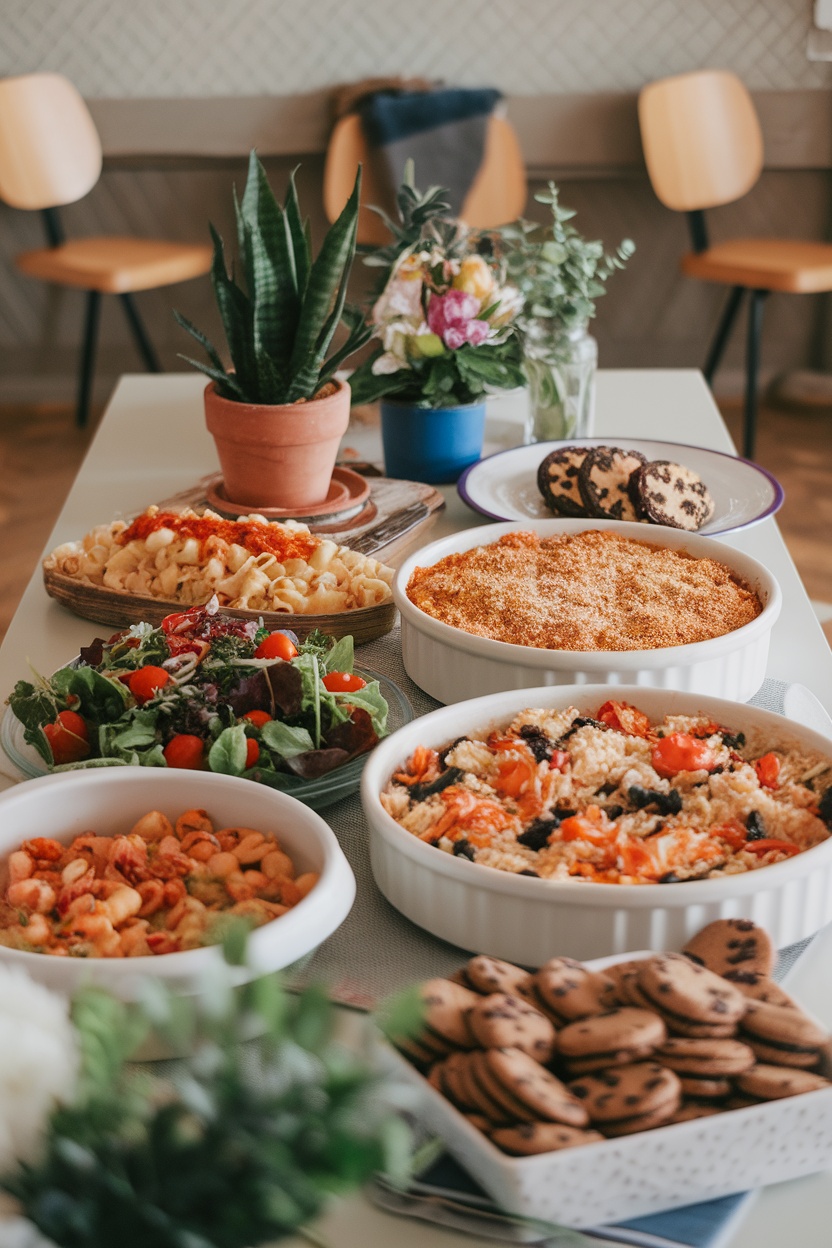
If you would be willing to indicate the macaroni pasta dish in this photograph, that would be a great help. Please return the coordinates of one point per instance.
(250, 563)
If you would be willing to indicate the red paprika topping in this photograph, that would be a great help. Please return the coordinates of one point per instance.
(257, 538)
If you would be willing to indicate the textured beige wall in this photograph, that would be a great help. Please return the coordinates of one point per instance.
(155, 51)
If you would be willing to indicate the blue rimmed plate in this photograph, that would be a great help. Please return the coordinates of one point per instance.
(504, 486)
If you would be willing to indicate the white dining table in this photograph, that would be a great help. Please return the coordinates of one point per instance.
(152, 443)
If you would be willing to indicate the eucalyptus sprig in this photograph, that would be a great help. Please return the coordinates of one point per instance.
(559, 273)
(240, 1145)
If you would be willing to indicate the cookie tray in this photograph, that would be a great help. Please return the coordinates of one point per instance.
(650, 1171)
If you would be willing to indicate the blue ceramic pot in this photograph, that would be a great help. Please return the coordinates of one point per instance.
(433, 444)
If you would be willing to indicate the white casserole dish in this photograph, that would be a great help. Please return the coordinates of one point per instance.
(528, 920)
(108, 801)
(634, 1175)
(452, 665)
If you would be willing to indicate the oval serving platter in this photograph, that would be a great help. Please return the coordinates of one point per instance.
(120, 609)
(504, 486)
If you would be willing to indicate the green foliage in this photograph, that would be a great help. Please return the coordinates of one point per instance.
(279, 324)
(422, 217)
(559, 273)
(239, 1147)
(447, 380)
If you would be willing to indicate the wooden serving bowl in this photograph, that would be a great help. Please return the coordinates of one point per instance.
(120, 609)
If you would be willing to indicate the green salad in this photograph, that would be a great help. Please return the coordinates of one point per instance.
(208, 691)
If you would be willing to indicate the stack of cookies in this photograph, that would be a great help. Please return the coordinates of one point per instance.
(611, 483)
(567, 1055)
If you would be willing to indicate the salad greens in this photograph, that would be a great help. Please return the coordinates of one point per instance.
(215, 683)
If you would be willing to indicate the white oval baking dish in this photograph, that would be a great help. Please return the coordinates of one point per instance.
(528, 920)
(452, 665)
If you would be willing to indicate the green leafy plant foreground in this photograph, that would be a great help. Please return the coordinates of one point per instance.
(241, 1146)
(280, 322)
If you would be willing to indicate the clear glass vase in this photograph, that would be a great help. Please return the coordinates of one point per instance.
(561, 373)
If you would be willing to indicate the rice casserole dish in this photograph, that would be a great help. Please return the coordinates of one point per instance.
(614, 797)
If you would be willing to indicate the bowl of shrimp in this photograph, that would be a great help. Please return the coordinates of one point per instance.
(112, 875)
(591, 820)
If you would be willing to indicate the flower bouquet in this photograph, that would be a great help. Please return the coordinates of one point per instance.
(444, 323)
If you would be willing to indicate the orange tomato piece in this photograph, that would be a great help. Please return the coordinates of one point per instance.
(679, 751)
(626, 718)
(768, 771)
(768, 843)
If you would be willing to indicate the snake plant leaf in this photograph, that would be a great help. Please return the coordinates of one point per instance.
(280, 324)
(235, 311)
(227, 386)
(326, 285)
(271, 279)
(298, 234)
(203, 340)
(360, 333)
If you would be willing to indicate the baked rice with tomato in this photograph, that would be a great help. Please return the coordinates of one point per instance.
(614, 798)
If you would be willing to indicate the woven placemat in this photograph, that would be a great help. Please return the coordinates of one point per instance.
(377, 950)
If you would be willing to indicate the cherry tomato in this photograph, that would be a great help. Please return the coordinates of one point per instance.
(252, 752)
(258, 718)
(146, 681)
(768, 771)
(184, 750)
(680, 752)
(343, 682)
(276, 646)
(68, 737)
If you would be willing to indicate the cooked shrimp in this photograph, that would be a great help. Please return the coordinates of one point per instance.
(31, 894)
(21, 866)
(193, 821)
(153, 826)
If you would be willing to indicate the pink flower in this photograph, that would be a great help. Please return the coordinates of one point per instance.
(453, 317)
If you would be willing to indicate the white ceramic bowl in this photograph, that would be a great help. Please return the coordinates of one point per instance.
(109, 801)
(529, 920)
(633, 1175)
(452, 665)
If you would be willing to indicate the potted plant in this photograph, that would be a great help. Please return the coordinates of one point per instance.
(444, 320)
(559, 274)
(277, 413)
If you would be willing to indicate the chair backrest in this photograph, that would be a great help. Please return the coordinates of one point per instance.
(701, 137)
(497, 194)
(50, 152)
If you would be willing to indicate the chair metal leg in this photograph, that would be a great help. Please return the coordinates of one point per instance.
(91, 320)
(752, 368)
(723, 332)
(151, 360)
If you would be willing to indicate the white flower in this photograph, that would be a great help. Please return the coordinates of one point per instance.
(38, 1063)
(400, 298)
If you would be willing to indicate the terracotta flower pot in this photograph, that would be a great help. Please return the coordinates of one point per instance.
(280, 456)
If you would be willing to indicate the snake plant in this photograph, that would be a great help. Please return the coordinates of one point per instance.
(280, 323)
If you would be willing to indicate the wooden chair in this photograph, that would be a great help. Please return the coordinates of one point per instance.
(703, 147)
(497, 194)
(50, 155)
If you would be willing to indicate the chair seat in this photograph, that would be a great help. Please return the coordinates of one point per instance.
(116, 265)
(764, 264)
